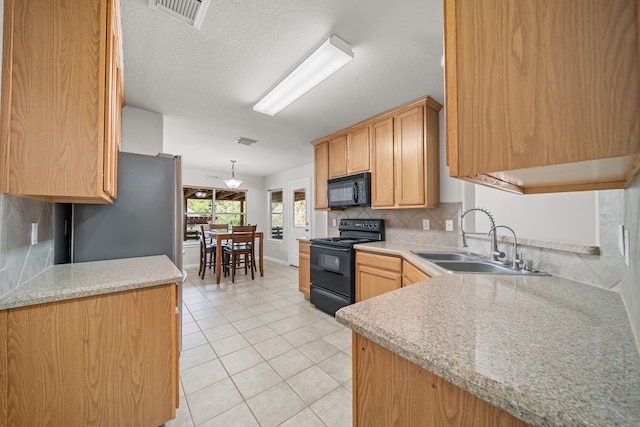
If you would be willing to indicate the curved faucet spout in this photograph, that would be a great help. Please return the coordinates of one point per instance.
(515, 259)
(495, 253)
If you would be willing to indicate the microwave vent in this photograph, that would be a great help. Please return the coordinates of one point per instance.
(187, 11)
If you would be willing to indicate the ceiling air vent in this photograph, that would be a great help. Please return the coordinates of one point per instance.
(189, 11)
(245, 141)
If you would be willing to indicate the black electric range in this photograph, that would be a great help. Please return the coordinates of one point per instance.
(333, 263)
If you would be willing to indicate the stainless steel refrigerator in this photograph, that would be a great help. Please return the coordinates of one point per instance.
(145, 219)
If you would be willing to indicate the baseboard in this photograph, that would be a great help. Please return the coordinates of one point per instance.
(277, 261)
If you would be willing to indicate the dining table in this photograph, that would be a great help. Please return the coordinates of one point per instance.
(220, 237)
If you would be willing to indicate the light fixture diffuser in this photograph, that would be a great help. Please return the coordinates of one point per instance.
(232, 182)
(324, 61)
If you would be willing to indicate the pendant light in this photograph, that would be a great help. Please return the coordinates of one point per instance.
(232, 182)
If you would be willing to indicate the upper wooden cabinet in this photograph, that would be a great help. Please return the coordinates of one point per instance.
(543, 95)
(338, 156)
(405, 157)
(358, 150)
(399, 147)
(62, 96)
(321, 174)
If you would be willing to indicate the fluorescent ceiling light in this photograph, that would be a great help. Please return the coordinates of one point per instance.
(324, 61)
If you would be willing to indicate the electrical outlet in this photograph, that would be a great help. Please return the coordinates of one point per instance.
(334, 222)
(448, 224)
(34, 233)
(426, 224)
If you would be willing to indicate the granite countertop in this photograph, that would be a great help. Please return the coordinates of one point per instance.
(68, 281)
(549, 351)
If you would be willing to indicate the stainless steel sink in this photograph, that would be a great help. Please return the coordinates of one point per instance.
(448, 256)
(467, 262)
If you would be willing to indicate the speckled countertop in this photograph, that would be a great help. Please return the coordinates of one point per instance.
(548, 350)
(67, 281)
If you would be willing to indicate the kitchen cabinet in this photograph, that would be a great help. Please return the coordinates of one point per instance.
(62, 96)
(376, 274)
(321, 174)
(542, 95)
(412, 274)
(338, 156)
(304, 267)
(110, 359)
(399, 147)
(358, 150)
(405, 156)
(380, 377)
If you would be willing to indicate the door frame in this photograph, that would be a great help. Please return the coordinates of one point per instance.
(292, 242)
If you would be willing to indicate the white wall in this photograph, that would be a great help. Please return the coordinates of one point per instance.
(142, 131)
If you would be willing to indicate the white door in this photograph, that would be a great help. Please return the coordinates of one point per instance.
(299, 215)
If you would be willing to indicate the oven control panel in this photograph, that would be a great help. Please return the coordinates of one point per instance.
(351, 224)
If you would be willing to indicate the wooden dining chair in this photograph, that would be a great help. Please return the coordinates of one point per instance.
(241, 251)
(207, 254)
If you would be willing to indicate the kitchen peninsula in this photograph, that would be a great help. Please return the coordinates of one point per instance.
(92, 343)
(537, 350)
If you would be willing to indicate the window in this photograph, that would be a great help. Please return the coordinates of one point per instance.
(229, 208)
(277, 213)
(299, 208)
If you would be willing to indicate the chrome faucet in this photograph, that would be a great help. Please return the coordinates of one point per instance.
(515, 260)
(495, 253)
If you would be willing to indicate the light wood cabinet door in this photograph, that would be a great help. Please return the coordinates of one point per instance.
(389, 390)
(382, 181)
(376, 274)
(111, 359)
(321, 174)
(552, 103)
(57, 86)
(409, 156)
(358, 150)
(338, 156)
(304, 268)
(412, 274)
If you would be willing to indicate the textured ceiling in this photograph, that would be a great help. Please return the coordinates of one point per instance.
(205, 82)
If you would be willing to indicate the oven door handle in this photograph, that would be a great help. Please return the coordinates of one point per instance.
(332, 248)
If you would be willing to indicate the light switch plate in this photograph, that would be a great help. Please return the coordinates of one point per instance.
(426, 224)
(448, 225)
(626, 247)
(34, 233)
(334, 222)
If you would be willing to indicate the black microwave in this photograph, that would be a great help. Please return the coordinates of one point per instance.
(352, 190)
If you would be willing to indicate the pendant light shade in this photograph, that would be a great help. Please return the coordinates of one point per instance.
(232, 182)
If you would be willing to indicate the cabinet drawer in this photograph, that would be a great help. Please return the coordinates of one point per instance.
(386, 262)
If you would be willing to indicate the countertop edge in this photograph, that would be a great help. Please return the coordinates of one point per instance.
(70, 281)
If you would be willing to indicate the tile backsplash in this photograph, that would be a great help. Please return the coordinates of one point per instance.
(630, 288)
(19, 260)
(405, 225)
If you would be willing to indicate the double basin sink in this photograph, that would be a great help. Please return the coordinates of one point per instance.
(467, 262)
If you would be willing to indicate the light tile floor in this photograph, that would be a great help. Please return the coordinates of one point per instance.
(256, 353)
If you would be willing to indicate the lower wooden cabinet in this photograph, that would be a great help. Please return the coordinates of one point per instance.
(376, 274)
(412, 274)
(103, 360)
(389, 390)
(304, 268)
